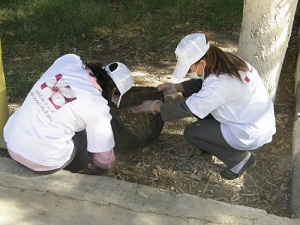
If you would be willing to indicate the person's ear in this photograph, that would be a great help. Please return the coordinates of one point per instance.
(203, 63)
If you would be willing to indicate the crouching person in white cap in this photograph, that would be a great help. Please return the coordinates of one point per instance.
(66, 115)
(234, 109)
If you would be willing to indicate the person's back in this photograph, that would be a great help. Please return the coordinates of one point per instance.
(63, 101)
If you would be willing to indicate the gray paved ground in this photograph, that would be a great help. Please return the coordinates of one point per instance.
(66, 198)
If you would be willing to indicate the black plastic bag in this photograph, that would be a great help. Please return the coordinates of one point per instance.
(125, 139)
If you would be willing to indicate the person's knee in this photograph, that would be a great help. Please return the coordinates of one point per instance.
(187, 133)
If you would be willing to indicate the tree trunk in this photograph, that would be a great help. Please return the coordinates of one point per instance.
(264, 37)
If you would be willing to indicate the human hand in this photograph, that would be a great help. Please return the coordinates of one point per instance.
(147, 107)
(167, 88)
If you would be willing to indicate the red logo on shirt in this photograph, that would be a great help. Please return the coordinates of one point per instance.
(58, 91)
(247, 79)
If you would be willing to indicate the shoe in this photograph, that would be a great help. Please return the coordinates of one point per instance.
(229, 175)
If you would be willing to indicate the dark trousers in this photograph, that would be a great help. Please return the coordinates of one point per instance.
(205, 134)
(79, 158)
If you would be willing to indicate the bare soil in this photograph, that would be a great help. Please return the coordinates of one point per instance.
(169, 163)
(172, 164)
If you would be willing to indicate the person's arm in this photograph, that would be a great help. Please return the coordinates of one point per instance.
(179, 87)
(173, 111)
(189, 87)
(104, 160)
(168, 111)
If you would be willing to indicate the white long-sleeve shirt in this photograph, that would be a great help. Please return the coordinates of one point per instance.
(63, 101)
(243, 108)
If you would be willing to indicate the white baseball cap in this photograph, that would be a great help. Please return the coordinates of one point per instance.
(121, 75)
(189, 50)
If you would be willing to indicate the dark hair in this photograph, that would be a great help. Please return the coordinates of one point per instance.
(103, 79)
(219, 61)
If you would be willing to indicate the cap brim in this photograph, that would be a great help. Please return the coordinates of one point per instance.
(180, 71)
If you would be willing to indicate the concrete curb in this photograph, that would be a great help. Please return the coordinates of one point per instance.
(66, 198)
(295, 183)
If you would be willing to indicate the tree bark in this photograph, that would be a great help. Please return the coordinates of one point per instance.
(264, 37)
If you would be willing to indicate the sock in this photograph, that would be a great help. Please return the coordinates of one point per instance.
(236, 169)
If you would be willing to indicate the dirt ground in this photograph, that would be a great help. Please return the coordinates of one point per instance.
(169, 163)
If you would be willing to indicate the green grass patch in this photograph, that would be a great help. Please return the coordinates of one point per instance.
(52, 21)
(44, 29)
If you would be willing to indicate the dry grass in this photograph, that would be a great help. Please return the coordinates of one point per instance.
(171, 164)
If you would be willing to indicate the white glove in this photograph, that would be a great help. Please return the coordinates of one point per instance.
(147, 107)
(167, 89)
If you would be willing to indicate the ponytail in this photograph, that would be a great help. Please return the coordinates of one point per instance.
(218, 61)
